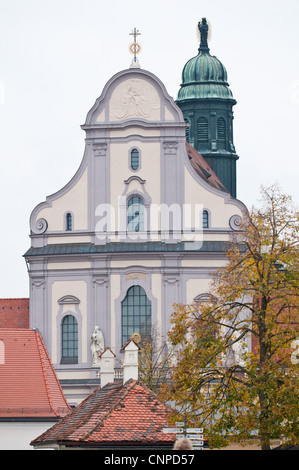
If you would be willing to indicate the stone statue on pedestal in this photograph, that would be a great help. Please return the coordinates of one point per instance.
(97, 346)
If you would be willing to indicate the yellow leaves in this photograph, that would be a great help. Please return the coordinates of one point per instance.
(257, 298)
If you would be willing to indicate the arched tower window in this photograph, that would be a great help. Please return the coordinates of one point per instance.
(135, 214)
(202, 130)
(221, 129)
(187, 130)
(135, 159)
(69, 221)
(205, 219)
(69, 339)
(136, 314)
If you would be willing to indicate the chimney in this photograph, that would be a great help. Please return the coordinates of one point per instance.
(107, 361)
(130, 368)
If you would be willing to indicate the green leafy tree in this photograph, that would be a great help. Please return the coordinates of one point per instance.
(237, 374)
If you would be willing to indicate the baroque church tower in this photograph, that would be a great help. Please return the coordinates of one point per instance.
(207, 105)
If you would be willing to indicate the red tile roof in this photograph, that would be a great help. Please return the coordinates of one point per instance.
(28, 384)
(203, 169)
(116, 415)
(14, 313)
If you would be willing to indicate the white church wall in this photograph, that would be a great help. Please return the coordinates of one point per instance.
(74, 201)
(220, 206)
(195, 287)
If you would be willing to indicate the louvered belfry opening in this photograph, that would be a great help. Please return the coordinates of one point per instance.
(202, 130)
(221, 129)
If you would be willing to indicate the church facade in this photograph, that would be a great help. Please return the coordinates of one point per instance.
(142, 225)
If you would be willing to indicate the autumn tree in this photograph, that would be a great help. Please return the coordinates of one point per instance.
(237, 375)
(154, 361)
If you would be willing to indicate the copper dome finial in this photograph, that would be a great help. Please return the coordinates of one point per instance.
(203, 28)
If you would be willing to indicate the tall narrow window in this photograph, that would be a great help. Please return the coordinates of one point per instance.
(135, 214)
(69, 339)
(69, 221)
(221, 129)
(136, 314)
(187, 130)
(134, 159)
(202, 130)
(205, 219)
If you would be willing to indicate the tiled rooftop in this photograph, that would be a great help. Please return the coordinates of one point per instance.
(117, 415)
(203, 169)
(14, 313)
(28, 384)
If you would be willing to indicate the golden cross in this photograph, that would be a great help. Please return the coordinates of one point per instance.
(135, 33)
(135, 47)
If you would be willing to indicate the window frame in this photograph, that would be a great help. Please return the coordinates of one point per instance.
(68, 215)
(139, 304)
(205, 218)
(131, 150)
(69, 359)
(187, 130)
(142, 216)
(134, 149)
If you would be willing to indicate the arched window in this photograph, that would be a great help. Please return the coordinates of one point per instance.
(187, 130)
(69, 221)
(136, 314)
(202, 130)
(135, 214)
(205, 219)
(221, 129)
(69, 339)
(135, 159)
(204, 298)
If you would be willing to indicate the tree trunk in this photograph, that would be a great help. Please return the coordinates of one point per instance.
(263, 431)
(264, 435)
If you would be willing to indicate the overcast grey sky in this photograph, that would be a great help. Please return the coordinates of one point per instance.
(56, 56)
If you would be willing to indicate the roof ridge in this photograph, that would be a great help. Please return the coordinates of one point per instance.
(44, 372)
(125, 390)
(43, 351)
(53, 370)
(155, 395)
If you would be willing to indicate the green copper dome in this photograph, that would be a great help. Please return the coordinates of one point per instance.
(204, 76)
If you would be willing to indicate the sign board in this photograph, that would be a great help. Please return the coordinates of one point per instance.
(179, 424)
(196, 437)
(200, 430)
(173, 430)
(198, 444)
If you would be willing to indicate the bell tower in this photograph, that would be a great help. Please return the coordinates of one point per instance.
(207, 105)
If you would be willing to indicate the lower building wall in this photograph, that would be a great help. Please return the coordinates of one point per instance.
(18, 435)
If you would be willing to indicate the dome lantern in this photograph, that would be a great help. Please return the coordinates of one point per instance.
(204, 76)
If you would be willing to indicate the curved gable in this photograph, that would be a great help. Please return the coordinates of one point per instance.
(133, 94)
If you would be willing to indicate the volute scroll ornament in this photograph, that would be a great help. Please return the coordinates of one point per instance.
(40, 226)
(235, 222)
